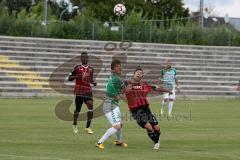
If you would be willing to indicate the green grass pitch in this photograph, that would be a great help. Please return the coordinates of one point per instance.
(29, 130)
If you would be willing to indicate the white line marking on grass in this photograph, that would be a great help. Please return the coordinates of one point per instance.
(214, 154)
(30, 157)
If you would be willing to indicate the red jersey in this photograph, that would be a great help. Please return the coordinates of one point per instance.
(84, 79)
(137, 96)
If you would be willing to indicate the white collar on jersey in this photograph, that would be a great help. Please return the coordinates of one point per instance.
(85, 66)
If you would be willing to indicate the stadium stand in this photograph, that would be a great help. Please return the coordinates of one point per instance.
(27, 66)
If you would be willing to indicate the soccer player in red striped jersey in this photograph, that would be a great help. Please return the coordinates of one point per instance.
(139, 106)
(83, 74)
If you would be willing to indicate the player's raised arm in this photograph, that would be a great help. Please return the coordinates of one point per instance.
(73, 75)
(127, 87)
(120, 87)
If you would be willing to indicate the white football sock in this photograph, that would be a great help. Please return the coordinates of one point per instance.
(163, 105)
(111, 131)
(170, 106)
(119, 136)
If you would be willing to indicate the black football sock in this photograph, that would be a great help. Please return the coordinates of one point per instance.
(75, 118)
(89, 118)
(153, 136)
(157, 134)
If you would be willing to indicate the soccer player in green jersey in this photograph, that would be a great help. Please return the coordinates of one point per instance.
(115, 88)
(169, 81)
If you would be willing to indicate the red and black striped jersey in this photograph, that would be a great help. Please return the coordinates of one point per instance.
(84, 78)
(137, 96)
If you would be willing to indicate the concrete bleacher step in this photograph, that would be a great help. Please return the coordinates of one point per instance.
(130, 60)
(211, 78)
(45, 72)
(135, 47)
(209, 83)
(181, 74)
(159, 60)
(190, 51)
(134, 51)
(101, 43)
(209, 93)
(101, 83)
(45, 45)
(181, 65)
(147, 54)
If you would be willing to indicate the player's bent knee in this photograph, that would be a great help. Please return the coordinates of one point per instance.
(118, 126)
(148, 127)
(90, 108)
(89, 104)
(156, 128)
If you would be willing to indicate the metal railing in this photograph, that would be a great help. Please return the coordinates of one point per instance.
(151, 32)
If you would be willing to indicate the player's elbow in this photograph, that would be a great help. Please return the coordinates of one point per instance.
(70, 78)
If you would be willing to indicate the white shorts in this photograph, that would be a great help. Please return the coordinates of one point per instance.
(112, 112)
(114, 116)
(171, 96)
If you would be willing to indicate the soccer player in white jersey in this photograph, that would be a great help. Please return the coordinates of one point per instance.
(169, 81)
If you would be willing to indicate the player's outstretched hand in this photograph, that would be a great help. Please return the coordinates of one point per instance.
(94, 84)
(71, 78)
(154, 88)
(119, 97)
(127, 88)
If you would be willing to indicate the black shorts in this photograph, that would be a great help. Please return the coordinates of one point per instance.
(143, 115)
(85, 97)
(79, 99)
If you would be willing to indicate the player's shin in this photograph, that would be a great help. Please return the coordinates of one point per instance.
(170, 106)
(89, 118)
(163, 106)
(111, 131)
(75, 117)
(153, 136)
(119, 136)
(157, 134)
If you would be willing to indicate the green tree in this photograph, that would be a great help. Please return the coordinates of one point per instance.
(164, 9)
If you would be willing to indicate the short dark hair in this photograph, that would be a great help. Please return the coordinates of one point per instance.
(84, 53)
(138, 69)
(114, 63)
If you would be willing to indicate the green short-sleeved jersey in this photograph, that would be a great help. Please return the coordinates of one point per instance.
(114, 87)
(168, 78)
